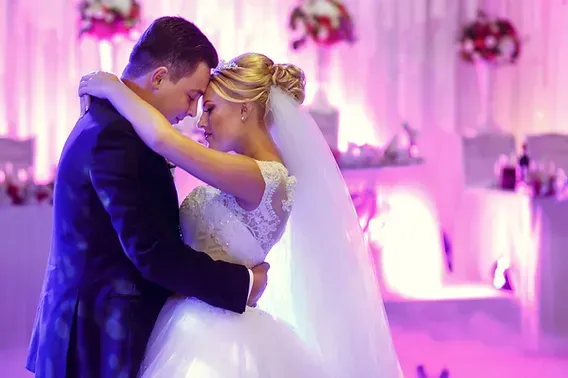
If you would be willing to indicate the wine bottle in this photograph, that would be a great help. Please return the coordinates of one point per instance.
(524, 162)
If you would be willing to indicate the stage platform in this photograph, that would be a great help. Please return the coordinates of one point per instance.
(454, 303)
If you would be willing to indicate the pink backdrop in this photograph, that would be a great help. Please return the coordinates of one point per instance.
(403, 68)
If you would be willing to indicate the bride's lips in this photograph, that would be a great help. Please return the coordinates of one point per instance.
(207, 135)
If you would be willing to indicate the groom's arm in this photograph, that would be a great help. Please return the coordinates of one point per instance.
(157, 252)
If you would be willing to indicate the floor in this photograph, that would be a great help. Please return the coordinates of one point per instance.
(471, 331)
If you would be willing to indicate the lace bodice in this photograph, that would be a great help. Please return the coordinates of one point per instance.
(213, 222)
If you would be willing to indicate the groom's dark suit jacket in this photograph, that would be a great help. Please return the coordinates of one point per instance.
(116, 255)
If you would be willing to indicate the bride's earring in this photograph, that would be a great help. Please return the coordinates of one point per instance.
(242, 118)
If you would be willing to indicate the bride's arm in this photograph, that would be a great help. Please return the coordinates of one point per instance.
(238, 175)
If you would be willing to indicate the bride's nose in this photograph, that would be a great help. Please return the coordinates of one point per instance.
(202, 122)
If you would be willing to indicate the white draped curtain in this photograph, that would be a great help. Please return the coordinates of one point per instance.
(403, 68)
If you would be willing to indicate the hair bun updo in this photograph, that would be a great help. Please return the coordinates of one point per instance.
(251, 77)
(291, 79)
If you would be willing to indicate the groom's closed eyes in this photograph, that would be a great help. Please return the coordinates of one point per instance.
(195, 95)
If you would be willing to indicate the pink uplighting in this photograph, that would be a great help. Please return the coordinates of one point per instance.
(410, 244)
(404, 69)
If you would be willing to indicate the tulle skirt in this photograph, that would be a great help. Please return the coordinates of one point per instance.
(194, 340)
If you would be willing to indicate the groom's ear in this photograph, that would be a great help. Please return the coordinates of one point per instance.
(158, 76)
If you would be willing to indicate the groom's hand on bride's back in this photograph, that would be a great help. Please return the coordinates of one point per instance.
(260, 273)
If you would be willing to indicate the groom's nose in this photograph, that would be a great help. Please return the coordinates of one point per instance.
(192, 111)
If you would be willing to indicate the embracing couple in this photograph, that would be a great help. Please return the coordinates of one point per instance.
(137, 287)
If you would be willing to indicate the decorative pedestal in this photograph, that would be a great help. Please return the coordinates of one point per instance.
(106, 50)
(486, 84)
(325, 115)
(328, 122)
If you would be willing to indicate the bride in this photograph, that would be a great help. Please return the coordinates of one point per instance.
(322, 314)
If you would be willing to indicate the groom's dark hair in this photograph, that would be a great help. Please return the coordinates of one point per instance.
(172, 42)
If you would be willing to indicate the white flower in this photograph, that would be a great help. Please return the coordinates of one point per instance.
(94, 10)
(490, 41)
(325, 8)
(323, 34)
(109, 17)
(122, 6)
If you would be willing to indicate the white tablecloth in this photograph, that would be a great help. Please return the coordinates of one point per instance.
(490, 224)
(25, 239)
(531, 234)
(407, 230)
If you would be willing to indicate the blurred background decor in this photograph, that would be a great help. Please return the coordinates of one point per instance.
(452, 218)
(326, 23)
(488, 42)
(108, 22)
(106, 19)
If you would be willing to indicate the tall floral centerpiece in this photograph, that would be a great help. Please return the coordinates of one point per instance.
(488, 42)
(326, 23)
(107, 20)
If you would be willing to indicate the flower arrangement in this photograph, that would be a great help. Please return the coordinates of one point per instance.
(535, 179)
(13, 193)
(104, 19)
(493, 40)
(326, 22)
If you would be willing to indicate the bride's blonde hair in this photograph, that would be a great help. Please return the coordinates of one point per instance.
(249, 77)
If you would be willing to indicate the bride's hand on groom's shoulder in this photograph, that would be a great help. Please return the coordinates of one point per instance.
(260, 273)
(85, 104)
(98, 84)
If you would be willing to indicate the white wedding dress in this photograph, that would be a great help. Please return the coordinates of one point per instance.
(192, 339)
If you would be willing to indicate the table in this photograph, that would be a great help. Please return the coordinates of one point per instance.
(531, 236)
(405, 228)
(490, 224)
(25, 239)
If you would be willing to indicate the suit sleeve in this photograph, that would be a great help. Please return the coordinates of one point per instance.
(158, 253)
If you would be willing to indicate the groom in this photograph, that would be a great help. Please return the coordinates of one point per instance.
(117, 254)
